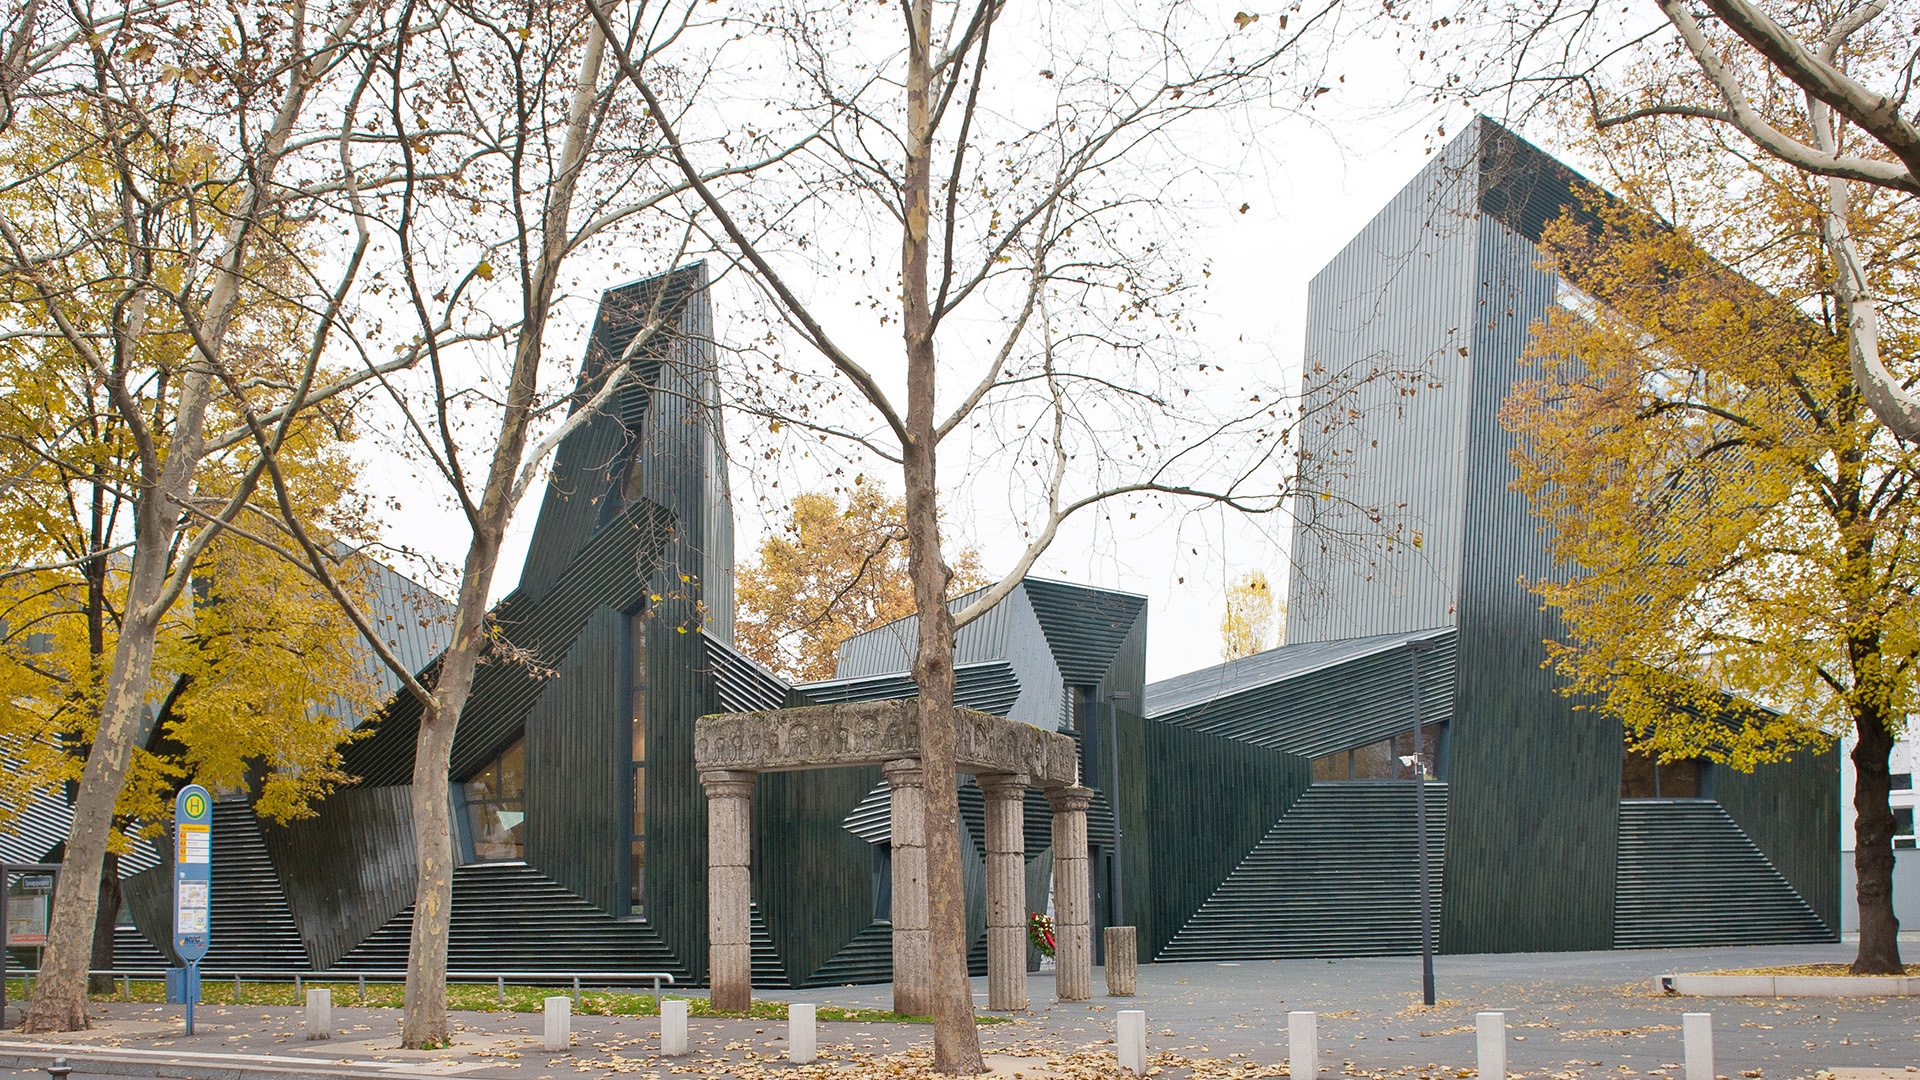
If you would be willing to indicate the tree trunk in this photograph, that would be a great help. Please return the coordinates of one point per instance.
(424, 1025)
(60, 993)
(956, 1041)
(1873, 848)
(106, 917)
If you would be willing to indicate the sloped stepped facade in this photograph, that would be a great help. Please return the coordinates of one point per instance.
(767, 970)
(252, 925)
(868, 958)
(1338, 875)
(511, 917)
(133, 952)
(1689, 876)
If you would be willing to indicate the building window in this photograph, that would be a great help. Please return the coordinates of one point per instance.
(1381, 760)
(637, 853)
(1903, 827)
(883, 882)
(1641, 777)
(1902, 781)
(497, 807)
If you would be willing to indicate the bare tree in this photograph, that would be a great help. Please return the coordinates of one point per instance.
(496, 154)
(1038, 217)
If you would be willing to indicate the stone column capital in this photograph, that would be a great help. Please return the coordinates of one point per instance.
(728, 783)
(1068, 799)
(1003, 785)
(906, 772)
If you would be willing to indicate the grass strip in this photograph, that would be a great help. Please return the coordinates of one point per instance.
(484, 997)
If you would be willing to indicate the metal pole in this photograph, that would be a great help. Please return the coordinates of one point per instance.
(1113, 801)
(1420, 826)
(6, 953)
(193, 972)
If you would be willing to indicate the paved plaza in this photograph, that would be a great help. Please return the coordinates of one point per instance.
(1570, 1015)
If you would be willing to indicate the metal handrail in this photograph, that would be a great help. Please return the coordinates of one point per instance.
(297, 978)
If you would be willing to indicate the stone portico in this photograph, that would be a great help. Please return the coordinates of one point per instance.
(1005, 757)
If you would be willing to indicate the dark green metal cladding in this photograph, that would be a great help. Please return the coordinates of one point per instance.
(1191, 809)
(1534, 811)
(1791, 812)
(611, 569)
(1446, 280)
(812, 878)
(366, 829)
(1318, 697)
(1085, 627)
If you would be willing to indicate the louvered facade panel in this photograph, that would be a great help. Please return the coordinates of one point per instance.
(1386, 393)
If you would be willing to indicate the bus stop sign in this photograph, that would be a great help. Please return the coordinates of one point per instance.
(192, 872)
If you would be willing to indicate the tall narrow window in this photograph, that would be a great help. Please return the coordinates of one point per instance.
(637, 665)
(497, 807)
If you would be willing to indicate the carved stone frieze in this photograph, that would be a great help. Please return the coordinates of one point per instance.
(872, 733)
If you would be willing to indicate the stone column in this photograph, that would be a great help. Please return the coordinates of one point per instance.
(1072, 903)
(1006, 795)
(729, 886)
(912, 922)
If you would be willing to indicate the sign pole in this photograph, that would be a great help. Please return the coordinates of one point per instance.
(192, 886)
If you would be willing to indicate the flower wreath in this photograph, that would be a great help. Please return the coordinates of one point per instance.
(1040, 933)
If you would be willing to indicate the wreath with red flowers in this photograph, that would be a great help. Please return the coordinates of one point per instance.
(1040, 933)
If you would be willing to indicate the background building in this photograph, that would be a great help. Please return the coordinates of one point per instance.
(1257, 808)
(1906, 859)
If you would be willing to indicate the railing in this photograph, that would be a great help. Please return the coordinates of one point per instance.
(298, 978)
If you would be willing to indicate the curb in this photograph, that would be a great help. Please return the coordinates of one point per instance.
(1849, 986)
(192, 1066)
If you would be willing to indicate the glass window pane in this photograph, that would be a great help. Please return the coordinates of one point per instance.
(639, 801)
(1680, 780)
(498, 832)
(485, 783)
(637, 869)
(1374, 762)
(513, 771)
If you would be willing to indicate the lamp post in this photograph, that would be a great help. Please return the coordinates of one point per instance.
(1419, 763)
(1113, 801)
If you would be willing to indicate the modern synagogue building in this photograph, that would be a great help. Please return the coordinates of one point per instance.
(1253, 809)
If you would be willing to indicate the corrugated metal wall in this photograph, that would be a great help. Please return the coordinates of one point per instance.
(577, 757)
(1388, 323)
(1533, 814)
(347, 871)
(1191, 806)
(1791, 812)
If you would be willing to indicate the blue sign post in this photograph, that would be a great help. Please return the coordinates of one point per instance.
(192, 886)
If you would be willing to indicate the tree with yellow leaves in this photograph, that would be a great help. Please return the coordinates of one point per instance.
(831, 570)
(164, 312)
(1249, 622)
(1739, 520)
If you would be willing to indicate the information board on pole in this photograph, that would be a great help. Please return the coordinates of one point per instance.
(28, 898)
(192, 872)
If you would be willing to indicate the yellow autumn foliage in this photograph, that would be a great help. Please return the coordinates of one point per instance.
(1737, 525)
(831, 570)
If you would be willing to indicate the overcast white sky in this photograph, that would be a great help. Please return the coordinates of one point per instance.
(1312, 183)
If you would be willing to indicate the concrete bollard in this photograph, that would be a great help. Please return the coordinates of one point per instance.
(800, 1043)
(1130, 1036)
(1123, 961)
(1490, 1031)
(1696, 1032)
(559, 1033)
(319, 1014)
(673, 1027)
(1303, 1046)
